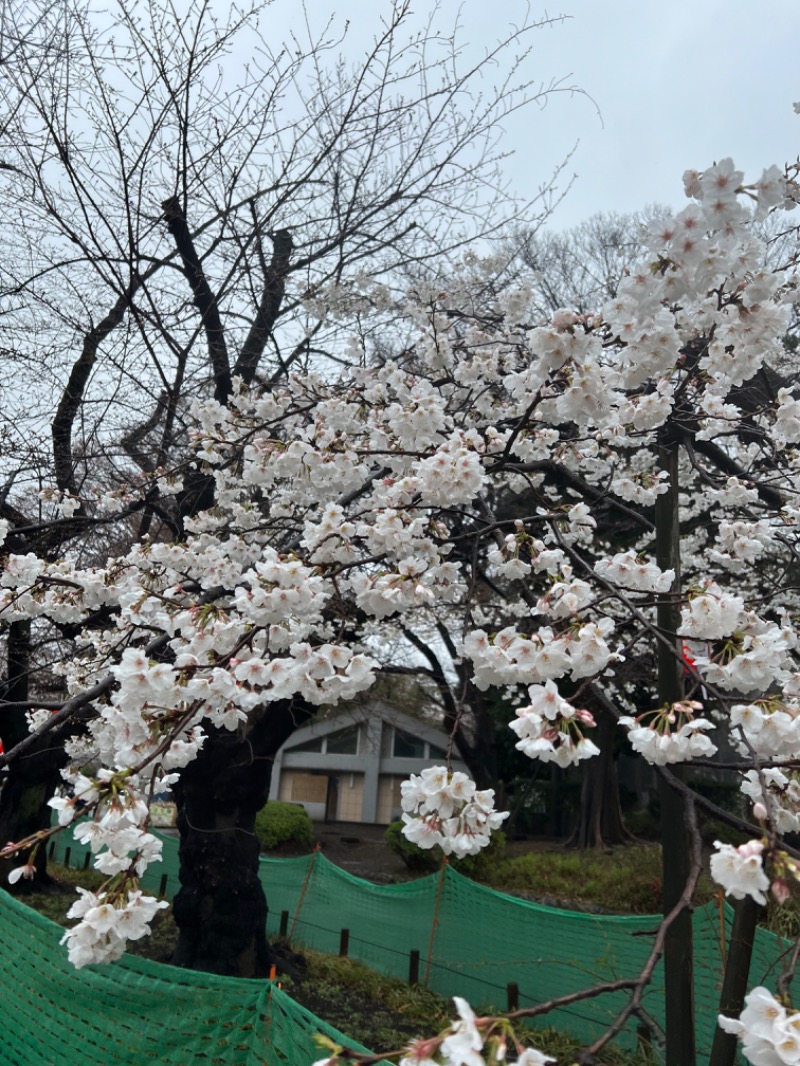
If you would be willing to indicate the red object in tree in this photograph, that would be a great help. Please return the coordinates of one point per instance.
(688, 658)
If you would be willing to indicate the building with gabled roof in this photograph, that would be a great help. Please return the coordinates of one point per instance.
(349, 767)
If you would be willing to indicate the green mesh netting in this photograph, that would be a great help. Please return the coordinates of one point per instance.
(472, 942)
(135, 1012)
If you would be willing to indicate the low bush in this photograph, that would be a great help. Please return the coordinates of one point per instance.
(284, 823)
(423, 860)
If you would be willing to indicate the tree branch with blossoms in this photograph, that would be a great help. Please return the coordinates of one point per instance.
(372, 501)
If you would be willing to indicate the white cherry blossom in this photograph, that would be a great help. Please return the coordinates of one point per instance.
(740, 870)
(444, 808)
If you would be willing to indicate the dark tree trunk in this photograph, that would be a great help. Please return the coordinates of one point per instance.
(221, 908)
(480, 753)
(600, 823)
(29, 782)
(746, 914)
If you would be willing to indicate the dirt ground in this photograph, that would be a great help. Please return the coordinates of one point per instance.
(359, 849)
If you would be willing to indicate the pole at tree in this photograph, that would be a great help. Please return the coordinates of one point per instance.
(675, 843)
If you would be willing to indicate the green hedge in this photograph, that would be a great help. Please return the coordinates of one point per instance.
(427, 860)
(284, 823)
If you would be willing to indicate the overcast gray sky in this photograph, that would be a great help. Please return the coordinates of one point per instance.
(678, 83)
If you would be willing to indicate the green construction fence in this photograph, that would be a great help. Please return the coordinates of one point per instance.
(136, 1013)
(470, 941)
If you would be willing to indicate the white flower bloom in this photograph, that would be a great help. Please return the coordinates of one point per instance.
(712, 615)
(444, 808)
(104, 927)
(740, 870)
(769, 1033)
(531, 1057)
(551, 729)
(627, 570)
(28, 872)
(663, 748)
(463, 1045)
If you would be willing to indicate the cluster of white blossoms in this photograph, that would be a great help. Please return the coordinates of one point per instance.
(106, 924)
(711, 614)
(760, 658)
(670, 734)
(445, 808)
(469, 1041)
(740, 543)
(505, 560)
(629, 571)
(769, 1032)
(740, 870)
(509, 658)
(769, 727)
(778, 793)
(117, 840)
(551, 729)
(122, 850)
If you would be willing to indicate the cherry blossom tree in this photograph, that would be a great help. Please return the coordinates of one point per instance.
(178, 193)
(314, 510)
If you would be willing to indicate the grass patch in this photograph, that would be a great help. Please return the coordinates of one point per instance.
(383, 1013)
(624, 880)
(564, 1049)
(56, 901)
(783, 920)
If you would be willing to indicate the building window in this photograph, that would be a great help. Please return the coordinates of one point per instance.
(315, 744)
(407, 746)
(297, 787)
(345, 742)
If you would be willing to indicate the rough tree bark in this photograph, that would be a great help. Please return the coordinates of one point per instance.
(31, 781)
(221, 909)
(600, 823)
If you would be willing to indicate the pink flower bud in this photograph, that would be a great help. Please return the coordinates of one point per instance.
(780, 891)
(564, 318)
(751, 848)
(759, 811)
